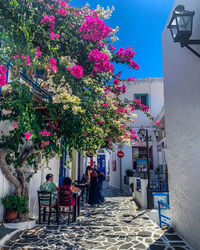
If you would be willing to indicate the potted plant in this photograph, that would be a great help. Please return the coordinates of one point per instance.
(15, 204)
(132, 187)
(129, 172)
(10, 203)
(129, 176)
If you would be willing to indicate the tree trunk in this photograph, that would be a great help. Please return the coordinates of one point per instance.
(8, 172)
(19, 182)
(23, 190)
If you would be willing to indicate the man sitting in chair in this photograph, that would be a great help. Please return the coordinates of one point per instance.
(49, 186)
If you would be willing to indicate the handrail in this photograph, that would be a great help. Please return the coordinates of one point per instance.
(160, 203)
(33, 84)
(159, 186)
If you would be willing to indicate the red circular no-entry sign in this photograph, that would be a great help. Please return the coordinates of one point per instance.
(120, 154)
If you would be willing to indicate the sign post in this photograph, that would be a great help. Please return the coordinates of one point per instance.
(120, 155)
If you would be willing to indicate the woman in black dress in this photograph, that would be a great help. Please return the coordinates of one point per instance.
(95, 196)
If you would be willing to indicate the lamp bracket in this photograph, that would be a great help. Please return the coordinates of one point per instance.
(190, 48)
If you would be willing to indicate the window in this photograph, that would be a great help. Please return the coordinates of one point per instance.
(143, 97)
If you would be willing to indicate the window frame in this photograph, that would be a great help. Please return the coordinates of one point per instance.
(138, 96)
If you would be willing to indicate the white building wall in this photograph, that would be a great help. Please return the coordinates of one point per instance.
(38, 179)
(35, 182)
(4, 190)
(154, 88)
(114, 175)
(182, 106)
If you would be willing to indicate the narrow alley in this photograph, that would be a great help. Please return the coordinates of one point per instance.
(117, 224)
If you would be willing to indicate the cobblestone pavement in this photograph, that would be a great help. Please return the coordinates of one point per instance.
(117, 224)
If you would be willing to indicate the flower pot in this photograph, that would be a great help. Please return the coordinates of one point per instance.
(11, 215)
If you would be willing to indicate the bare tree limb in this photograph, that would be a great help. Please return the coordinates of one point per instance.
(24, 157)
(6, 169)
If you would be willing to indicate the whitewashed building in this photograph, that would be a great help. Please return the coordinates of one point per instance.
(162, 147)
(182, 118)
(54, 166)
(150, 92)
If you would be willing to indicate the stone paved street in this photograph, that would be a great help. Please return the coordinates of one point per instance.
(117, 224)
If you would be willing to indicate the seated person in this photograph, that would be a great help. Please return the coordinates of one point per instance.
(67, 186)
(49, 186)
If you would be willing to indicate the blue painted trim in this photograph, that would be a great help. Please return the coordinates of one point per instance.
(62, 173)
(163, 216)
(159, 186)
(136, 96)
(79, 166)
(101, 163)
(33, 84)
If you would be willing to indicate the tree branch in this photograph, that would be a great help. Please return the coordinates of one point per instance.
(24, 157)
(6, 169)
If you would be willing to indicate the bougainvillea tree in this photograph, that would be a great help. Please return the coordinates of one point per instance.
(68, 52)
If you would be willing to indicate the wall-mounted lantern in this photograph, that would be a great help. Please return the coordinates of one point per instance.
(180, 26)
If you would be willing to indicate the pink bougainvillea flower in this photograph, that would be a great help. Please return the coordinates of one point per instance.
(50, 20)
(101, 61)
(63, 12)
(158, 123)
(53, 36)
(62, 3)
(56, 123)
(112, 48)
(48, 142)
(131, 79)
(52, 65)
(133, 132)
(123, 89)
(76, 71)
(132, 64)
(94, 28)
(14, 125)
(44, 133)
(27, 135)
(3, 71)
(42, 146)
(85, 134)
(116, 81)
(125, 55)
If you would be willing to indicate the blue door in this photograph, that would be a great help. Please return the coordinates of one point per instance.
(101, 163)
(63, 159)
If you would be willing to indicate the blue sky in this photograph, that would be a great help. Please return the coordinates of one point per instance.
(140, 25)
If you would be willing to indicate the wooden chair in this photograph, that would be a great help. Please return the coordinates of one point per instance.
(64, 202)
(45, 201)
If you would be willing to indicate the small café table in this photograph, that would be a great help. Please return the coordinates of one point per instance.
(76, 196)
(83, 187)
